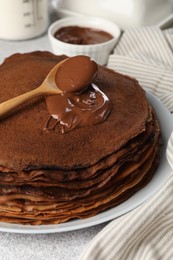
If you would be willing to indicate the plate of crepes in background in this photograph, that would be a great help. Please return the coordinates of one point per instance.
(141, 196)
(56, 177)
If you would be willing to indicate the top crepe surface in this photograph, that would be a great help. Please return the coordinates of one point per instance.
(24, 143)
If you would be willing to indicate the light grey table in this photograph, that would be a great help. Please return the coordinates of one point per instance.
(58, 246)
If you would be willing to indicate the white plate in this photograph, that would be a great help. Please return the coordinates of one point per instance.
(160, 177)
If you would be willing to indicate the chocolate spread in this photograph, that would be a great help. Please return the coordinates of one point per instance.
(82, 35)
(81, 102)
(76, 73)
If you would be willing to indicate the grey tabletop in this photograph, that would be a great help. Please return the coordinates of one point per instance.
(60, 246)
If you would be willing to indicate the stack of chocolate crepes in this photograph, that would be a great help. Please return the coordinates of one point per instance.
(48, 177)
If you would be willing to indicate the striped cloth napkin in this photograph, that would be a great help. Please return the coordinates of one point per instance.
(145, 233)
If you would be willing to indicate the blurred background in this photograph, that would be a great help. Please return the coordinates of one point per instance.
(125, 13)
(24, 23)
(25, 19)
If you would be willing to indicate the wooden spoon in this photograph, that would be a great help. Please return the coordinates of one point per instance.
(70, 75)
(48, 87)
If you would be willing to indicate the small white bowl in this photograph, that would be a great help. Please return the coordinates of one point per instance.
(99, 52)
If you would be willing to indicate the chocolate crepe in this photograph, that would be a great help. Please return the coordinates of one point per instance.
(51, 177)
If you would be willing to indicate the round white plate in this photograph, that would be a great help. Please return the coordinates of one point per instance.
(160, 177)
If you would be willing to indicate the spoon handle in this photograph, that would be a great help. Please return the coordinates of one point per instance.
(8, 106)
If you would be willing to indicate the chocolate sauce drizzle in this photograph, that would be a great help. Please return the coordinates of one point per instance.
(88, 108)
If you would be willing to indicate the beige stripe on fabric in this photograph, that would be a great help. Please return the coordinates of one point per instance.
(145, 233)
